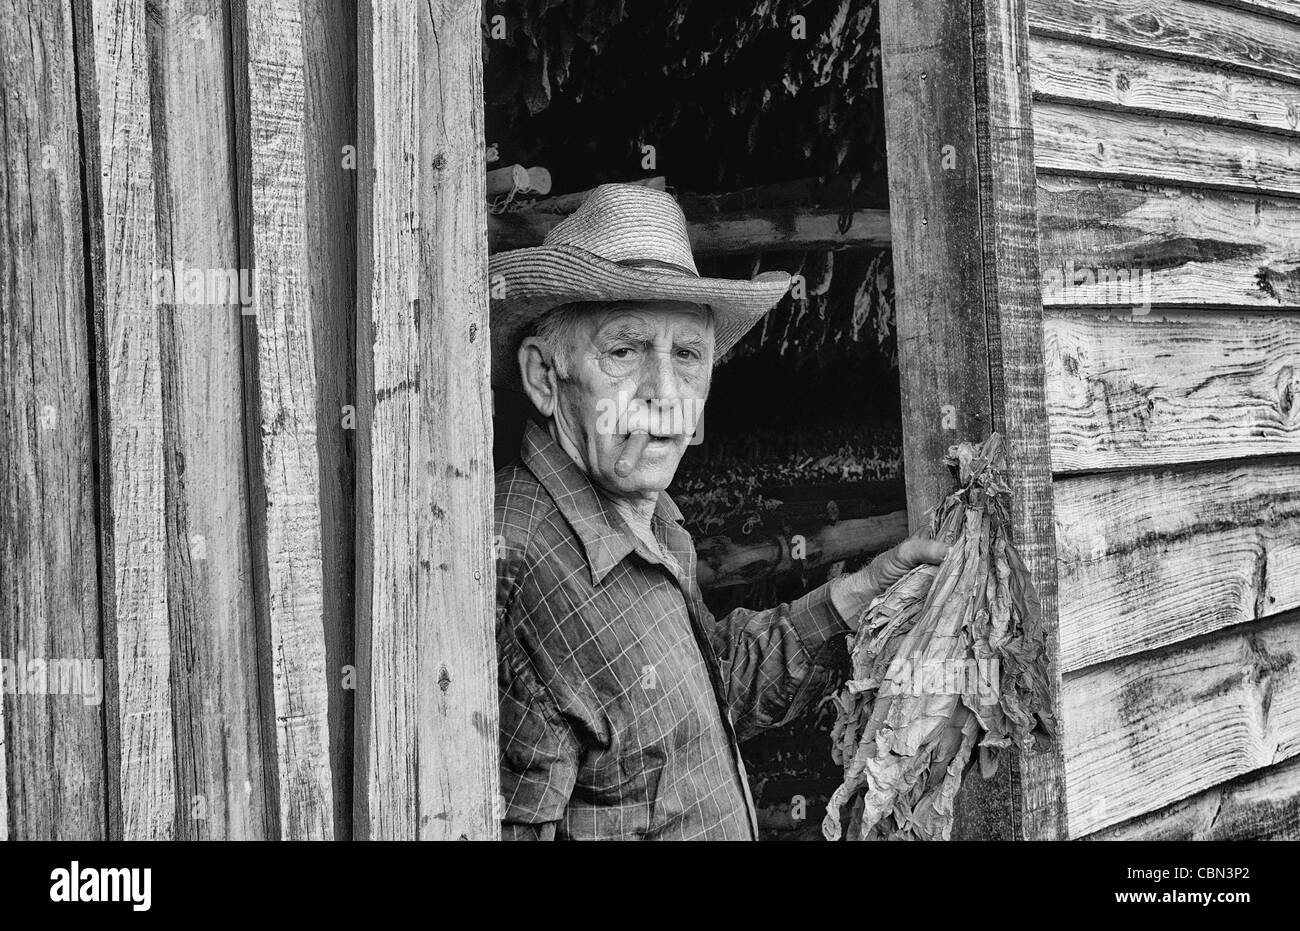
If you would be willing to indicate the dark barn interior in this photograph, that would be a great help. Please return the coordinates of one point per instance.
(799, 475)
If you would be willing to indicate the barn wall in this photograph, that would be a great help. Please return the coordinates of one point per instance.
(177, 466)
(1167, 148)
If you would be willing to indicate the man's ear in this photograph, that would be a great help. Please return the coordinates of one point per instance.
(537, 371)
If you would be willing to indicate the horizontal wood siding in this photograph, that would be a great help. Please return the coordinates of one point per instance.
(1167, 143)
(1127, 392)
(1145, 733)
(1148, 558)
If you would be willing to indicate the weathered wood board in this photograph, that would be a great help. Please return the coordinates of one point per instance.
(1111, 243)
(427, 741)
(1147, 732)
(290, 305)
(119, 174)
(1264, 805)
(1188, 30)
(223, 764)
(736, 232)
(1014, 315)
(1151, 558)
(1078, 140)
(49, 553)
(1072, 72)
(1130, 392)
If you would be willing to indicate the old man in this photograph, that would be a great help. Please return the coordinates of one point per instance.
(623, 700)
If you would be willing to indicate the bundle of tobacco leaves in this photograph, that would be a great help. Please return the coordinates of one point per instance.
(951, 658)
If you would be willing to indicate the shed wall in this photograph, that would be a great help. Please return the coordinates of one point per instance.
(1168, 173)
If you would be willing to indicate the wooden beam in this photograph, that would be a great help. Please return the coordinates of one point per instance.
(1151, 558)
(1216, 35)
(224, 770)
(961, 198)
(1153, 729)
(114, 73)
(1128, 393)
(49, 554)
(725, 561)
(744, 231)
(1178, 246)
(1072, 72)
(1264, 805)
(1106, 144)
(296, 291)
(1014, 314)
(427, 741)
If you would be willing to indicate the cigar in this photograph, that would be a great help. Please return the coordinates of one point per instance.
(632, 451)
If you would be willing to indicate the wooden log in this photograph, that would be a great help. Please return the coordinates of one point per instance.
(1071, 72)
(223, 774)
(1126, 393)
(297, 291)
(1152, 730)
(1217, 35)
(1148, 559)
(725, 561)
(1096, 143)
(49, 598)
(113, 61)
(1014, 313)
(427, 741)
(1165, 245)
(755, 230)
(565, 204)
(1264, 805)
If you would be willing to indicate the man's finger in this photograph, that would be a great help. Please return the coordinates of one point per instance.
(930, 551)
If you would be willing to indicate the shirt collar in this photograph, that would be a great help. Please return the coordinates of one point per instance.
(605, 537)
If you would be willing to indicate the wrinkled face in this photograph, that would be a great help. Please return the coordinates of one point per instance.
(631, 391)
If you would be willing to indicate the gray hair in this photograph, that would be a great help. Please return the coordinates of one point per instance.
(558, 328)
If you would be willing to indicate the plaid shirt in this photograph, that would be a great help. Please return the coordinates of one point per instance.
(622, 699)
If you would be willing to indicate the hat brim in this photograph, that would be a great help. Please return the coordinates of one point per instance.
(527, 283)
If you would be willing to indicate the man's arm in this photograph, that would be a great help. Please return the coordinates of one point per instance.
(776, 663)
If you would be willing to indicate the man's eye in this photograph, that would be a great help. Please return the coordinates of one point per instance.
(622, 352)
(688, 354)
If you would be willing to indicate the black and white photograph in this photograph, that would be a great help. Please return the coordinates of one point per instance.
(696, 420)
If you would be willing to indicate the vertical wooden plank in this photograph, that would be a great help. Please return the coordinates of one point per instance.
(49, 597)
(427, 743)
(113, 65)
(934, 196)
(222, 784)
(1015, 344)
(289, 309)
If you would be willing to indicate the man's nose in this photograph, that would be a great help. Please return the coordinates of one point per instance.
(659, 377)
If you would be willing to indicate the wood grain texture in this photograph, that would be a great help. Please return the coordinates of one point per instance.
(928, 63)
(49, 597)
(224, 770)
(1189, 30)
(1149, 731)
(747, 231)
(1014, 315)
(1288, 10)
(1151, 558)
(286, 407)
(1071, 72)
(1264, 805)
(123, 256)
(427, 741)
(1125, 393)
(1100, 143)
(1114, 243)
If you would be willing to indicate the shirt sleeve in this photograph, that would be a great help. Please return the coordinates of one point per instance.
(776, 663)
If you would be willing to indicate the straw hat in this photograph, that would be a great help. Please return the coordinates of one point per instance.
(625, 243)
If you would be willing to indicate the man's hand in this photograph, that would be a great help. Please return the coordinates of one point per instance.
(851, 593)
